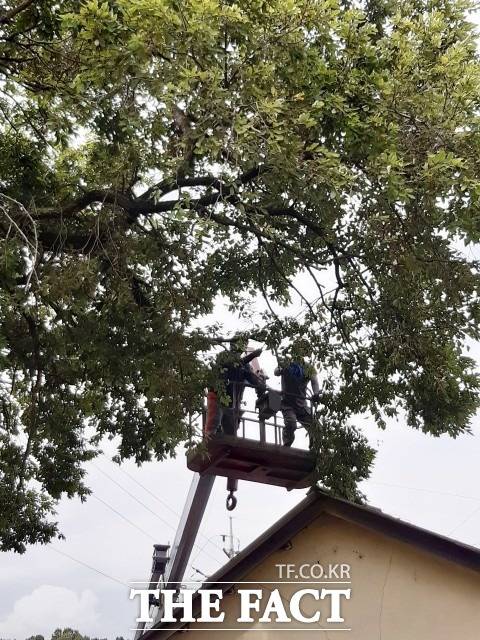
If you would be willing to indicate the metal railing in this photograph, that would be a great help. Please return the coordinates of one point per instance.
(251, 426)
(272, 427)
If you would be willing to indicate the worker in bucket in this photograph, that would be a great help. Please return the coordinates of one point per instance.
(295, 377)
(234, 372)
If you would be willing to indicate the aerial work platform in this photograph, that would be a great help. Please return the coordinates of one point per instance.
(246, 459)
(255, 453)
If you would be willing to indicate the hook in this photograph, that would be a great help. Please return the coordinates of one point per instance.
(231, 501)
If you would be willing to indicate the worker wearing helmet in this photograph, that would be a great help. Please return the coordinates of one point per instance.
(295, 377)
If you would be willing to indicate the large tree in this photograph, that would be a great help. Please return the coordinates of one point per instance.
(158, 154)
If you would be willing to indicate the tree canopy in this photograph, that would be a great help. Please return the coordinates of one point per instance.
(158, 154)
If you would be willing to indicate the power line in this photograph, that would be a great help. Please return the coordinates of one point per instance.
(162, 502)
(464, 521)
(109, 506)
(88, 566)
(134, 497)
(146, 489)
(165, 522)
(201, 550)
(441, 493)
(422, 490)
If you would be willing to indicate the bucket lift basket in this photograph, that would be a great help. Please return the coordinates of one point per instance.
(256, 460)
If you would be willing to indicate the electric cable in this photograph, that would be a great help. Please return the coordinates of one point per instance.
(441, 493)
(422, 490)
(162, 502)
(134, 497)
(146, 489)
(165, 522)
(88, 566)
(464, 521)
(109, 506)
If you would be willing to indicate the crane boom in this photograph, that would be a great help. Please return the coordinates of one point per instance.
(197, 499)
(190, 521)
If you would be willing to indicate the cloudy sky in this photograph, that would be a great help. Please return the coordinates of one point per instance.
(82, 582)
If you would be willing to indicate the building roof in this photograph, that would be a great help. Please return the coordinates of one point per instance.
(314, 505)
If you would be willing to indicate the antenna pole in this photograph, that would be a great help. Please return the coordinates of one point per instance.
(230, 552)
(232, 548)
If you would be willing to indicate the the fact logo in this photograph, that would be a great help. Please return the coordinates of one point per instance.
(256, 605)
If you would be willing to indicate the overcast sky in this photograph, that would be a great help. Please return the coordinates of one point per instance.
(431, 482)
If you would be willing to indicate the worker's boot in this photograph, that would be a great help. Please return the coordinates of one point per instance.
(288, 435)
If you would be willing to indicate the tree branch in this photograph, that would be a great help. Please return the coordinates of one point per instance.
(171, 184)
(11, 13)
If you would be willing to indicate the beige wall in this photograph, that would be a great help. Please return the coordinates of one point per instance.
(398, 593)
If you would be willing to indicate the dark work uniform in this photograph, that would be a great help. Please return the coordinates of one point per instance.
(235, 375)
(294, 399)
